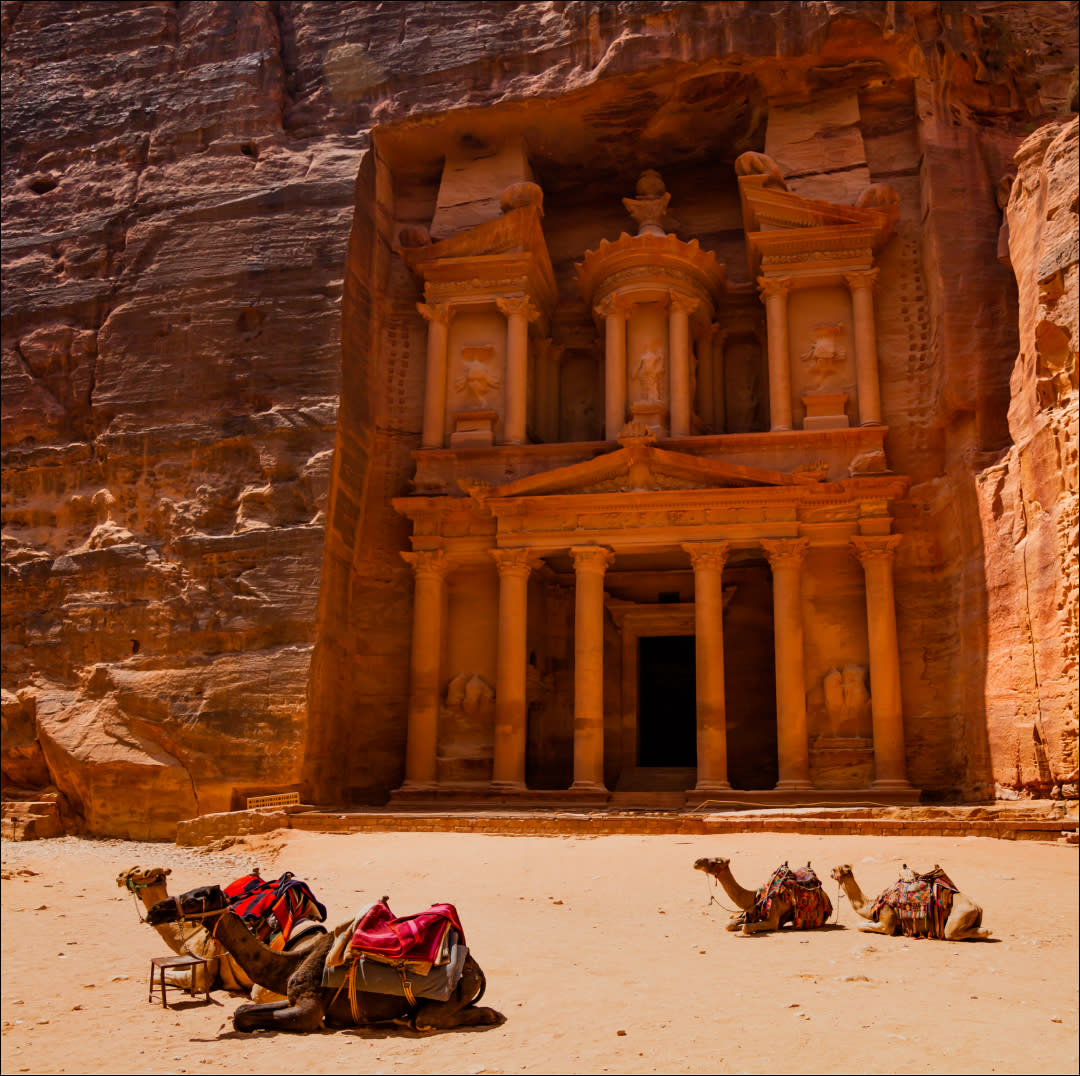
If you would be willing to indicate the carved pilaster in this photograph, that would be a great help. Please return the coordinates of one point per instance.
(774, 292)
(438, 317)
(679, 310)
(867, 381)
(519, 311)
(786, 556)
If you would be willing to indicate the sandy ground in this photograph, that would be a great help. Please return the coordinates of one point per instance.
(604, 954)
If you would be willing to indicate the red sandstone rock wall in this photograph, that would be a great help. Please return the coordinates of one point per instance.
(179, 187)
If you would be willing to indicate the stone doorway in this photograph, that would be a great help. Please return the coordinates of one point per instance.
(667, 701)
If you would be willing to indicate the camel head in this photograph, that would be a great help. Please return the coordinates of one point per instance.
(200, 904)
(135, 878)
(710, 866)
(842, 872)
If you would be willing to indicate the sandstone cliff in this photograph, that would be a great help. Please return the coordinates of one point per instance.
(187, 196)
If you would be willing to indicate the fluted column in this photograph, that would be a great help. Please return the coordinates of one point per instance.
(774, 290)
(679, 362)
(866, 364)
(614, 314)
(708, 560)
(519, 312)
(785, 558)
(590, 564)
(422, 735)
(438, 317)
(508, 771)
(876, 555)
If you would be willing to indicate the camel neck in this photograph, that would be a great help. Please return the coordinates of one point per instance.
(742, 898)
(261, 964)
(855, 895)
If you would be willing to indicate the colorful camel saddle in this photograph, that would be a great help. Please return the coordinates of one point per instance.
(277, 911)
(922, 903)
(415, 956)
(802, 890)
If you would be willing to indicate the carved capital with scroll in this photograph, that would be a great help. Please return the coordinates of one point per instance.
(432, 563)
(440, 312)
(704, 555)
(785, 552)
(769, 286)
(592, 558)
(520, 305)
(519, 562)
(875, 548)
(863, 278)
(685, 304)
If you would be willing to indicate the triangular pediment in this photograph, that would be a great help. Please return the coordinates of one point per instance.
(640, 465)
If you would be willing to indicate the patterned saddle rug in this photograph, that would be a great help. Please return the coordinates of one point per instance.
(802, 889)
(922, 903)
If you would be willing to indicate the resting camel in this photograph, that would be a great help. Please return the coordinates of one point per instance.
(768, 909)
(148, 884)
(961, 923)
(298, 976)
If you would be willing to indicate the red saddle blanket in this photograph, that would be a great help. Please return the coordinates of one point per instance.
(411, 939)
(269, 907)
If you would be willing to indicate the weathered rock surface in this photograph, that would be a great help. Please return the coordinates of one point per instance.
(182, 215)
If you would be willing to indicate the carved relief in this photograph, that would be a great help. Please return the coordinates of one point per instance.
(826, 356)
(478, 378)
(469, 694)
(847, 701)
(649, 374)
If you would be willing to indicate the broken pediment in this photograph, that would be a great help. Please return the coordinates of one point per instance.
(639, 464)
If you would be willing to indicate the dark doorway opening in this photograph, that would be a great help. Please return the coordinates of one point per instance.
(667, 701)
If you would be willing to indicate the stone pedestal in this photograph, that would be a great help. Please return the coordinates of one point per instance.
(473, 429)
(825, 411)
(653, 414)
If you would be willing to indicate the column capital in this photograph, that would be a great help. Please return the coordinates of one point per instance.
(773, 285)
(785, 551)
(438, 312)
(521, 304)
(514, 561)
(591, 558)
(685, 304)
(613, 306)
(429, 562)
(707, 554)
(875, 548)
(861, 278)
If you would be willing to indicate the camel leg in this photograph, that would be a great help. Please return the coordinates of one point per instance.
(305, 1016)
(779, 910)
(888, 923)
(736, 922)
(964, 922)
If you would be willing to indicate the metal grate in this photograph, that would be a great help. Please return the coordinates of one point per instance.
(282, 799)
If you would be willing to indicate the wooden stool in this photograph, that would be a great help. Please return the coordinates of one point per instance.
(165, 963)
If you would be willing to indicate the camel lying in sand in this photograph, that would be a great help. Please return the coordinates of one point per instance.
(221, 970)
(789, 896)
(920, 906)
(299, 976)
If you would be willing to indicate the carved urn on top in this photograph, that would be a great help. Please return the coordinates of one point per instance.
(656, 297)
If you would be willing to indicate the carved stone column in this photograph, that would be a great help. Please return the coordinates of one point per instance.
(614, 314)
(774, 291)
(508, 771)
(785, 558)
(438, 317)
(866, 363)
(430, 570)
(590, 564)
(708, 560)
(519, 312)
(876, 555)
(679, 362)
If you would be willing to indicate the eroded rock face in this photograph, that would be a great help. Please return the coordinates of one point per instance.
(182, 214)
(1028, 501)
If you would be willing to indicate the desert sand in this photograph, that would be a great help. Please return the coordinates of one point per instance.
(604, 954)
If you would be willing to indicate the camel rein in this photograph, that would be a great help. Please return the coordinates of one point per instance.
(713, 900)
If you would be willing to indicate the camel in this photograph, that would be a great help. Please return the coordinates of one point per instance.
(961, 922)
(299, 975)
(148, 885)
(785, 898)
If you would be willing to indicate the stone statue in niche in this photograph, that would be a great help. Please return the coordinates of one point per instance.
(649, 374)
(651, 203)
(847, 701)
(826, 356)
(469, 694)
(478, 378)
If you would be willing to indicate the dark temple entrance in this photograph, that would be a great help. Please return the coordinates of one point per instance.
(667, 701)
